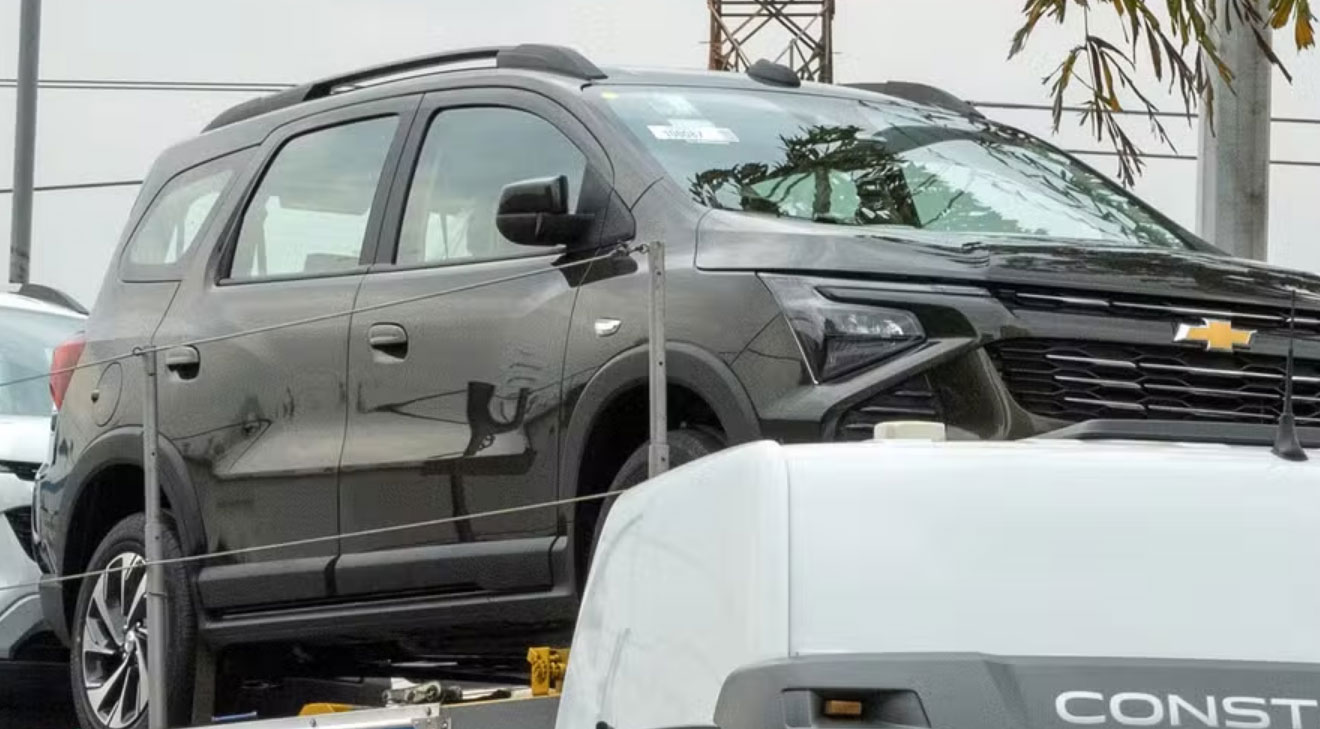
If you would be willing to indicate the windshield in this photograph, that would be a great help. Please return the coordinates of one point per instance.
(27, 341)
(878, 163)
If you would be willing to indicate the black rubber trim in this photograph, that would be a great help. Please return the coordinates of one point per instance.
(512, 564)
(475, 614)
(1179, 431)
(263, 583)
(52, 608)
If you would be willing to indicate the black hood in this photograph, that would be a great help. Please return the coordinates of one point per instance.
(744, 242)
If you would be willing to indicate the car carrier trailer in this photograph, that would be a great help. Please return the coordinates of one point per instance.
(951, 585)
(515, 713)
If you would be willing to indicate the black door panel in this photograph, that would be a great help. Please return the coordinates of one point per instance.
(466, 422)
(261, 424)
(462, 416)
(259, 418)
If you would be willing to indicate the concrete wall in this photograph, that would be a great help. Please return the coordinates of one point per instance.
(94, 136)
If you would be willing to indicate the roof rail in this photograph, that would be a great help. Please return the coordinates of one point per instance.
(551, 59)
(532, 57)
(47, 294)
(922, 94)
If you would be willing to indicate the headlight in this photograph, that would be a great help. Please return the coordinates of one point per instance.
(838, 338)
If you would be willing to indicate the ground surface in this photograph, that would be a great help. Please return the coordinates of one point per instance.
(35, 696)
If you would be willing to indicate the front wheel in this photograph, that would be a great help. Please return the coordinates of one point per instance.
(685, 446)
(110, 632)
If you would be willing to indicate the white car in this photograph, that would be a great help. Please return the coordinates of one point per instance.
(994, 584)
(33, 322)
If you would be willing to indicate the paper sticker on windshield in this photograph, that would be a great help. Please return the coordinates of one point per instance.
(694, 131)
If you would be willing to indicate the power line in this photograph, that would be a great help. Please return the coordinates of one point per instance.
(1126, 112)
(83, 84)
(78, 186)
(1078, 152)
(391, 529)
(1186, 157)
(617, 250)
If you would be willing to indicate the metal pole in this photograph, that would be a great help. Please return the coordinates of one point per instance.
(658, 453)
(1233, 168)
(25, 139)
(157, 627)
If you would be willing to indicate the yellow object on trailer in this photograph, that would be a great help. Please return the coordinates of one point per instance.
(322, 707)
(548, 668)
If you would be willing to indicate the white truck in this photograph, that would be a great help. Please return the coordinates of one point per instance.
(951, 585)
(922, 584)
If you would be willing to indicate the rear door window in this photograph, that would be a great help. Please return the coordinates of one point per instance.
(309, 215)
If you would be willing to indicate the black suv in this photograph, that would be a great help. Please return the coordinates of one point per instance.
(837, 257)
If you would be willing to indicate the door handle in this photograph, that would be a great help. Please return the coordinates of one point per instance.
(388, 339)
(183, 361)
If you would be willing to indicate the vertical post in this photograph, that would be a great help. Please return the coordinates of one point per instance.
(826, 71)
(1233, 167)
(25, 140)
(157, 624)
(715, 59)
(658, 453)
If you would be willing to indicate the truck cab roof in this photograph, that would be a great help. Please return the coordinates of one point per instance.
(1080, 551)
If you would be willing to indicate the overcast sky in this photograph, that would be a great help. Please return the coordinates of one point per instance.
(94, 136)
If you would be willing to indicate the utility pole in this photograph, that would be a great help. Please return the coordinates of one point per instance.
(25, 140)
(1233, 167)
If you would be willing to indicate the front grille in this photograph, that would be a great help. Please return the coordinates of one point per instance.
(1086, 380)
(1260, 318)
(912, 400)
(20, 520)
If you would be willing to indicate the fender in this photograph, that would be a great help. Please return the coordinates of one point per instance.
(687, 365)
(123, 446)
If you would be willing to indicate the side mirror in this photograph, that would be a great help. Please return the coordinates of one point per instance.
(535, 213)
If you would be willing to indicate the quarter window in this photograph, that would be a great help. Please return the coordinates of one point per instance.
(177, 216)
(309, 214)
(467, 158)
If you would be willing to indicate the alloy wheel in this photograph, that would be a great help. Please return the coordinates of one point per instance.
(114, 642)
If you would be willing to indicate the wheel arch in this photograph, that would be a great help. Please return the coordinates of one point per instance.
(113, 455)
(687, 366)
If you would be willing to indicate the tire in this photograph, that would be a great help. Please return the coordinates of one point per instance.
(98, 655)
(685, 446)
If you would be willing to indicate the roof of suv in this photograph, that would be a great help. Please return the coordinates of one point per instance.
(555, 64)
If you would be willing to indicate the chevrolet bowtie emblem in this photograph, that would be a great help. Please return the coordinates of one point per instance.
(1218, 335)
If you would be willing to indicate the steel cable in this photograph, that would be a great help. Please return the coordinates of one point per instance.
(614, 252)
(318, 540)
(140, 351)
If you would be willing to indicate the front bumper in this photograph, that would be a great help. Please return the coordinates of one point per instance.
(1004, 363)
